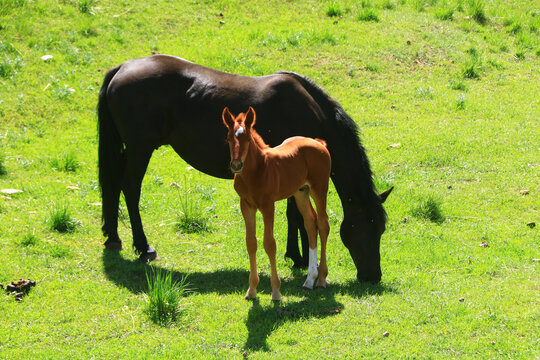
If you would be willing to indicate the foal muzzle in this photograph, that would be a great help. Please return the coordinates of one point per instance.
(236, 166)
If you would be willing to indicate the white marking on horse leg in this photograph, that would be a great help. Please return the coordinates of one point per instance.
(312, 269)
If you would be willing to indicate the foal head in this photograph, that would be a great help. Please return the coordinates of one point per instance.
(239, 136)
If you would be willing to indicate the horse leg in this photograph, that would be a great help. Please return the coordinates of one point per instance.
(110, 193)
(137, 162)
(249, 213)
(295, 223)
(270, 247)
(319, 197)
(305, 208)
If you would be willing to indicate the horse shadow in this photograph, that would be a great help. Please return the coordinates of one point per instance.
(261, 319)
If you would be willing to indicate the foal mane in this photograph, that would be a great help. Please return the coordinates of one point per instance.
(258, 140)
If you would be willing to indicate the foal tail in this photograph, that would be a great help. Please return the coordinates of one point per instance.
(110, 158)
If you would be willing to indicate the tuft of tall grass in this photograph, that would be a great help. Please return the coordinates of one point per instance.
(87, 7)
(60, 220)
(194, 216)
(333, 10)
(429, 209)
(3, 170)
(164, 296)
(67, 162)
(477, 11)
(368, 14)
(460, 102)
(444, 14)
(29, 240)
(471, 68)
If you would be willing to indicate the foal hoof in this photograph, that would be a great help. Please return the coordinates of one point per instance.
(113, 245)
(148, 255)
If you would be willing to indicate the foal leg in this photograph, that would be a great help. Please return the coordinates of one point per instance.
(319, 197)
(137, 162)
(249, 213)
(270, 248)
(305, 208)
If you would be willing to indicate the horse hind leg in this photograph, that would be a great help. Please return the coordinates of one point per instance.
(310, 223)
(137, 162)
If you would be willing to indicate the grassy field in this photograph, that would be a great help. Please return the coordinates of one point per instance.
(447, 96)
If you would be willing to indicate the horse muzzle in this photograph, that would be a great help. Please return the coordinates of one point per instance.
(236, 166)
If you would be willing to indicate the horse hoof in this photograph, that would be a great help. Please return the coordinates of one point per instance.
(305, 287)
(113, 245)
(148, 256)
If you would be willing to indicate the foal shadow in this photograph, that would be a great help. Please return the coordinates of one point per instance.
(261, 319)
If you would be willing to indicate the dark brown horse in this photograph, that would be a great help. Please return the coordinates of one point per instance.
(299, 167)
(149, 102)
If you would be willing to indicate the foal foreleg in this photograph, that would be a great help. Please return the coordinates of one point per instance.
(270, 248)
(249, 214)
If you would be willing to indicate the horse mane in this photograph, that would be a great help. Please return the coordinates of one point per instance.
(344, 142)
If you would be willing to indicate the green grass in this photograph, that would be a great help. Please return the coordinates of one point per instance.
(61, 220)
(164, 295)
(447, 109)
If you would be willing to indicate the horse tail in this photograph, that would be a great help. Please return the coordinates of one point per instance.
(351, 171)
(110, 158)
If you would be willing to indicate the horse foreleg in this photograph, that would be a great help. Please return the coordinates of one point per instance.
(249, 214)
(270, 247)
(305, 208)
(137, 162)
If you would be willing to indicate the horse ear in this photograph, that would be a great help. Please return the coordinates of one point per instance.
(250, 117)
(228, 118)
(384, 195)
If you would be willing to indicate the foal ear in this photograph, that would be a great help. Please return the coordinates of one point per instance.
(384, 195)
(250, 117)
(228, 118)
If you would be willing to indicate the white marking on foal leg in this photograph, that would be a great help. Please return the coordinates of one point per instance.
(312, 269)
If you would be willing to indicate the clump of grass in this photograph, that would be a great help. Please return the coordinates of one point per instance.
(477, 11)
(29, 240)
(3, 170)
(164, 296)
(471, 69)
(388, 5)
(429, 209)
(333, 10)
(373, 67)
(368, 14)
(444, 14)
(67, 162)
(458, 84)
(425, 93)
(60, 220)
(193, 215)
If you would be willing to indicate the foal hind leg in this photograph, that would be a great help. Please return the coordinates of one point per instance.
(310, 218)
(137, 162)
(319, 197)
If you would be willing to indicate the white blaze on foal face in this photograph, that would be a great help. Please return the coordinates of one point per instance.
(239, 131)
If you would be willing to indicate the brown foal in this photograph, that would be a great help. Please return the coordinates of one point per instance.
(299, 167)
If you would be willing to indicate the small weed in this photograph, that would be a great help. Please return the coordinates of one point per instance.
(29, 240)
(60, 220)
(164, 296)
(425, 93)
(471, 69)
(368, 14)
(9, 66)
(366, 4)
(68, 163)
(333, 10)
(520, 55)
(429, 209)
(87, 7)
(458, 84)
(460, 102)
